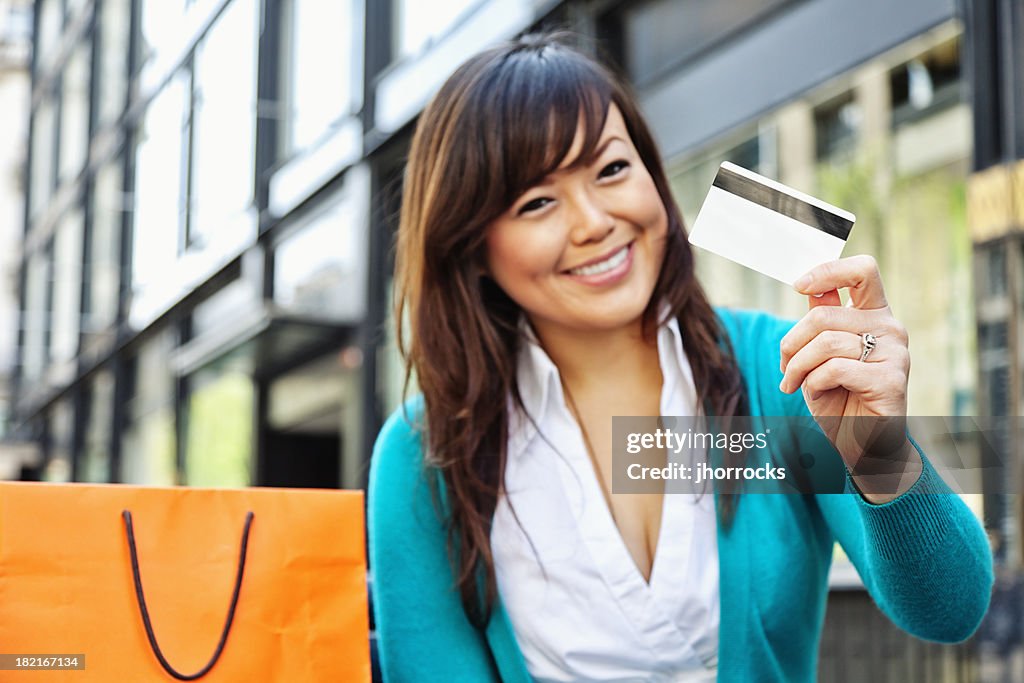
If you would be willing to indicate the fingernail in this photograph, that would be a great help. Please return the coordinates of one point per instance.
(803, 283)
(818, 296)
(782, 386)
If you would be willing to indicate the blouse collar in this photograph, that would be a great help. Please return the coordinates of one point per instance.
(540, 383)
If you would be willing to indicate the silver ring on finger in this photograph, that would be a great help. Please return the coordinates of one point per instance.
(868, 342)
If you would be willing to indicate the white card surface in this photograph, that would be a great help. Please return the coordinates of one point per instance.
(764, 225)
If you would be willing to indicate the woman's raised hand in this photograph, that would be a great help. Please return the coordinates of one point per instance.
(859, 402)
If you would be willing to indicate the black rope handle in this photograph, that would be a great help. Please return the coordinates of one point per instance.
(130, 531)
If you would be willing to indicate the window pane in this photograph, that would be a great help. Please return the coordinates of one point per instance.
(926, 83)
(9, 318)
(67, 284)
(321, 269)
(421, 22)
(727, 283)
(37, 316)
(148, 444)
(324, 74)
(690, 184)
(237, 298)
(104, 267)
(61, 423)
(73, 7)
(224, 149)
(74, 117)
(161, 25)
(147, 449)
(114, 25)
(939, 317)
(43, 152)
(220, 415)
(837, 127)
(96, 460)
(51, 19)
(660, 36)
(158, 185)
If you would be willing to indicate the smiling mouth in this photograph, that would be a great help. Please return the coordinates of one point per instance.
(610, 263)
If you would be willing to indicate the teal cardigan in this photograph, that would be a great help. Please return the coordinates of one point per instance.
(924, 559)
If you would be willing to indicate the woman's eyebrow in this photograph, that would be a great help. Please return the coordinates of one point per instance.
(604, 145)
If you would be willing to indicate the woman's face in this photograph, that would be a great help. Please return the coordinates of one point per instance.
(582, 250)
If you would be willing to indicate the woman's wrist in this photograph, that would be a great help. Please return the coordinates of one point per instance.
(881, 479)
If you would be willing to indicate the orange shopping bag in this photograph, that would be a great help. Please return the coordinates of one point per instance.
(158, 584)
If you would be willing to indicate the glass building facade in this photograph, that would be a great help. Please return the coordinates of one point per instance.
(15, 83)
(212, 193)
(197, 237)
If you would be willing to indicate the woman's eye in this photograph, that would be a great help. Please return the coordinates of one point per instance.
(533, 205)
(614, 168)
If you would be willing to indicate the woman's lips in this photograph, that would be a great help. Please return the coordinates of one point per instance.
(621, 265)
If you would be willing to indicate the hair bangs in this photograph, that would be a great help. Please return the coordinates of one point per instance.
(545, 99)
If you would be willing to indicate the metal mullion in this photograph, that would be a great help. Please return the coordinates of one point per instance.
(371, 332)
(980, 56)
(81, 407)
(268, 89)
(87, 183)
(123, 390)
(187, 158)
(378, 18)
(45, 439)
(52, 182)
(16, 380)
(182, 391)
(261, 410)
(1006, 27)
(49, 256)
(129, 132)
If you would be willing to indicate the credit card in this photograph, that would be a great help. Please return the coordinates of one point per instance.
(764, 225)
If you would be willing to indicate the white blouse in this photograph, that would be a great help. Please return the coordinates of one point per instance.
(579, 606)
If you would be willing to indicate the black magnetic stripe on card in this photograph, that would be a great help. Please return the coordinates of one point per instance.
(780, 202)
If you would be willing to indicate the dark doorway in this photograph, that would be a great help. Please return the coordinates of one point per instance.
(302, 460)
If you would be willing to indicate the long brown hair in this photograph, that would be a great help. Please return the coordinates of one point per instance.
(504, 120)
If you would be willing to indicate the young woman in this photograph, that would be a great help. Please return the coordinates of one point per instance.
(548, 285)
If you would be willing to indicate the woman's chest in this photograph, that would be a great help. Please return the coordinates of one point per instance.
(636, 517)
(575, 597)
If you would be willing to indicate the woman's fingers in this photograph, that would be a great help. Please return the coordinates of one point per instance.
(857, 273)
(881, 383)
(826, 345)
(853, 321)
(837, 344)
(822, 352)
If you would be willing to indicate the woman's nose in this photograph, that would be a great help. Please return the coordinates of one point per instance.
(591, 221)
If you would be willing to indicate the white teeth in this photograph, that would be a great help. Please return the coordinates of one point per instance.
(613, 261)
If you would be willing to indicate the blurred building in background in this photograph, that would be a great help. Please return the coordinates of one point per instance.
(213, 187)
(15, 51)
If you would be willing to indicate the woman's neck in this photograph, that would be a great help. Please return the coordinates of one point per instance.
(589, 361)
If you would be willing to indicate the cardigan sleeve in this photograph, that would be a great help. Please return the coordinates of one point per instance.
(924, 556)
(423, 634)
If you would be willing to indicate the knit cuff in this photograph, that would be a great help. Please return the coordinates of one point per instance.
(912, 525)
